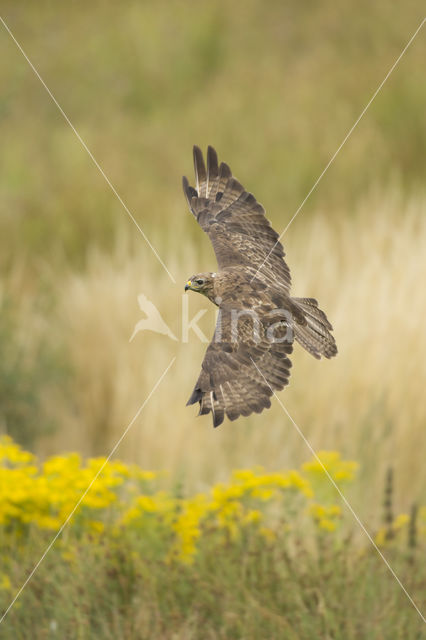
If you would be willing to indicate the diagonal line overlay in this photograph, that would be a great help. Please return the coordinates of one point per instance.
(92, 157)
(66, 521)
(343, 497)
(333, 157)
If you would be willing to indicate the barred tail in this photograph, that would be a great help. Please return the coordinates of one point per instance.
(314, 336)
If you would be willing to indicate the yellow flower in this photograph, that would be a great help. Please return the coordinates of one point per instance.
(386, 535)
(400, 521)
(61, 465)
(380, 537)
(5, 584)
(148, 504)
(325, 516)
(252, 516)
(328, 525)
(47, 522)
(70, 555)
(187, 526)
(263, 494)
(11, 452)
(329, 464)
(268, 534)
(321, 511)
(96, 526)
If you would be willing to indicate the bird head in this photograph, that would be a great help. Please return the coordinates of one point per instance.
(202, 283)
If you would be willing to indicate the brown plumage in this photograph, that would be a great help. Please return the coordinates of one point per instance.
(258, 320)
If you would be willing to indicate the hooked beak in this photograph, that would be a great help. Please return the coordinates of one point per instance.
(188, 285)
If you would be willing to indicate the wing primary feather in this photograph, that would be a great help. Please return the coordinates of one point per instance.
(196, 396)
(203, 409)
(223, 397)
(212, 172)
(224, 171)
(200, 172)
(189, 191)
(219, 417)
(212, 405)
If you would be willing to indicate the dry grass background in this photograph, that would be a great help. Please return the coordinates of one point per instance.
(275, 91)
(366, 270)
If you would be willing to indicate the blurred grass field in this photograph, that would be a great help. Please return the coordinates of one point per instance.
(366, 403)
(262, 555)
(275, 88)
(275, 91)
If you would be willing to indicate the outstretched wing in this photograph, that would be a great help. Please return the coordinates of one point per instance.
(234, 221)
(242, 365)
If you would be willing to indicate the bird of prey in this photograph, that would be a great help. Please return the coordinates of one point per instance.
(258, 320)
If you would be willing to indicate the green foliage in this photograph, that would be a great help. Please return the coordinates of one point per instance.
(113, 589)
(253, 558)
(275, 88)
(29, 369)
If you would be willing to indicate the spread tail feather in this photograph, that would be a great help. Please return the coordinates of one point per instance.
(314, 336)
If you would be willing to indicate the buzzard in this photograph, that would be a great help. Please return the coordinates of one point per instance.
(258, 321)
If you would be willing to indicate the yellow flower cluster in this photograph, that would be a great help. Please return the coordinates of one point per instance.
(392, 532)
(46, 494)
(329, 464)
(325, 515)
(115, 497)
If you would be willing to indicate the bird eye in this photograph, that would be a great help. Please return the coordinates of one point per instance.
(199, 281)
